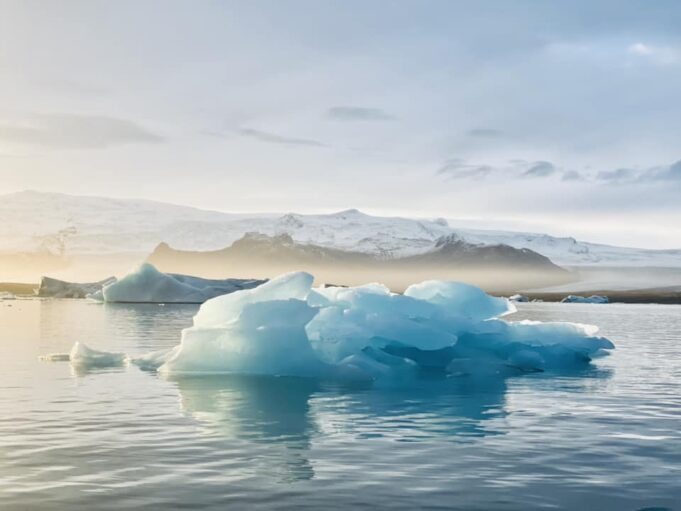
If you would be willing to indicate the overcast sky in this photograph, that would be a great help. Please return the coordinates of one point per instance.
(561, 117)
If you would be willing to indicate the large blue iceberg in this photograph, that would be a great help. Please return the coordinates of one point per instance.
(285, 327)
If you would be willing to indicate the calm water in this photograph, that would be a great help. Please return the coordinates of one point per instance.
(607, 438)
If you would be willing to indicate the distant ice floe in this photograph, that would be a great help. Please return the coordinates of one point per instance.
(518, 298)
(146, 284)
(285, 327)
(5, 295)
(585, 299)
(54, 288)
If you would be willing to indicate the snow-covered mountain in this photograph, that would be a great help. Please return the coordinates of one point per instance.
(92, 225)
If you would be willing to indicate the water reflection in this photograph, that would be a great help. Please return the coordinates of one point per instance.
(132, 328)
(286, 414)
(273, 411)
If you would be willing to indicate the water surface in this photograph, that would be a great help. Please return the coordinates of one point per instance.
(607, 437)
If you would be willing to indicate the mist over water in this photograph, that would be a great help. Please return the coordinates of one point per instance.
(606, 437)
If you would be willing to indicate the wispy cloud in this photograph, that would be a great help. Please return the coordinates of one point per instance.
(661, 55)
(523, 169)
(273, 138)
(74, 131)
(356, 113)
(572, 175)
(617, 176)
(459, 169)
(485, 133)
(660, 173)
(665, 173)
(513, 169)
(540, 169)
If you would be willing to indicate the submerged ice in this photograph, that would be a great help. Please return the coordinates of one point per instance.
(286, 327)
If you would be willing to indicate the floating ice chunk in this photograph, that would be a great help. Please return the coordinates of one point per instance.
(83, 357)
(285, 327)
(7, 296)
(148, 285)
(518, 298)
(461, 299)
(585, 299)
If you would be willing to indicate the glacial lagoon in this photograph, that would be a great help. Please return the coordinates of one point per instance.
(607, 436)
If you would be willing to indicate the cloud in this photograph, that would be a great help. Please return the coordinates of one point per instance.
(272, 138)
(572, 175)
(660, 173)
(355, 113)
(668, 173)
(514, 169)
(485, 133)
(540, 169)
(459, 169)
(75, 131)
(617, 176)
(661, 55)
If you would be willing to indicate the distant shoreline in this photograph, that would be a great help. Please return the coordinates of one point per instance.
(660, 296)
(19, 288)
(670, 296)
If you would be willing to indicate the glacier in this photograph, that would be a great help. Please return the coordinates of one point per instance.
(146, 284)
(285, 327)
(99, 225)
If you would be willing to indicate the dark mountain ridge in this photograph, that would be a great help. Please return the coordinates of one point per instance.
(494, 267)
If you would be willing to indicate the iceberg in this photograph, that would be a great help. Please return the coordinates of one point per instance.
(54, 288)
(146, 284)
(287, 328)
(5, 295)
(585, 299)
(518, 298)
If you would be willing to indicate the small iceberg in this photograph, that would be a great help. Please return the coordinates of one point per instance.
(585, 299)
(84, 358)
(146, 284)
(54, 288)
(4, 295)
(518, 298)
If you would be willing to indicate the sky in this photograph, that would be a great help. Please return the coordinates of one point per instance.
(557, 117)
